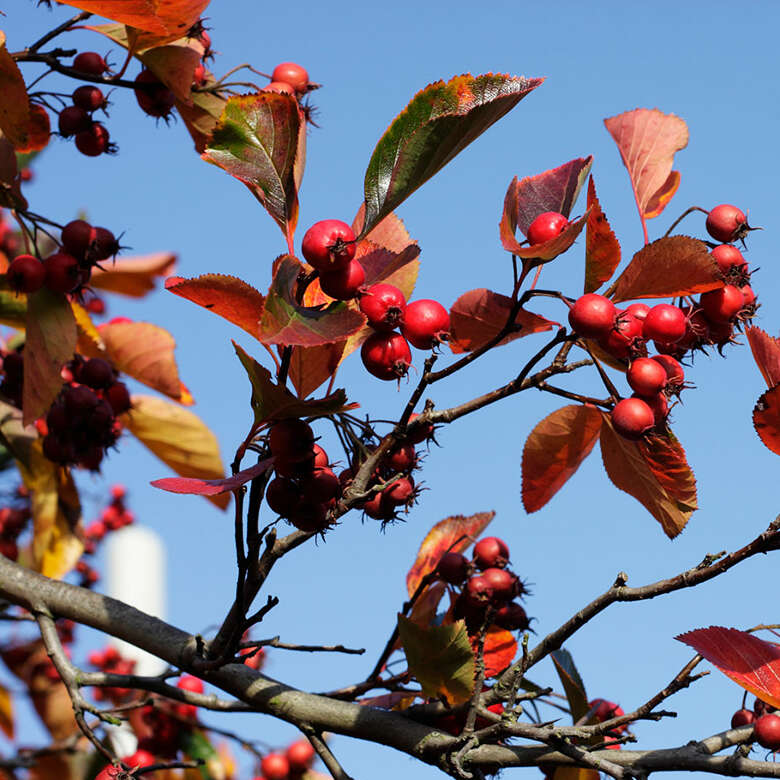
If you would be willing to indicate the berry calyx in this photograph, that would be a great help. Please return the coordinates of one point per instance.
(329, 245)
(664, 323)
(546, 227)
(491, 553)
(478, 591)
(343, 283)
(293, 74)
(727, 223)
(632, 418)
(674, 371)
(625, 340)
(26, 274)
(425, 324)
(592, 316)
(90, 62)
(646, 377)
(386, 355)
(728, 257)
(383, 305)
(766, 730)
(152, 95)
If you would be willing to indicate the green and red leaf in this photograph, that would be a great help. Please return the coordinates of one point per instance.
(572, 683)
(479, 316)
(750, 662)
(212, 487)
(766, 419)
(14, 103)
(555, 449)
(454, 534)
(655, 472)
(667, 268)
(133, 276)
(766, 353)
(602, 249)
(201, 116)
(439, 122)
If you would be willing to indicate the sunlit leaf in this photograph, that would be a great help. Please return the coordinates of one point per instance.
(555, 449)
(65, 545)
(133, 276)
(311, 366)
(766, 419)
(440, 658)
(390, 233)
(13, 309)
(439, 122)
(572, 683)
(766, 353)
(6, 712)
(89, 339)
(602, 249)
(201, 116)
(14, 104)
(500, 650)
(536, 254)
(750, 662)
(667, 191)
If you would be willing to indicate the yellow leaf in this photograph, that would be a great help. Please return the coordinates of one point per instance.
(40, 478)
(575, 773)
(6, 712)
(86, 330)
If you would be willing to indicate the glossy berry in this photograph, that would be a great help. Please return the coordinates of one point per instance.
(592, 316)
(62, 272)
(659, 405)
(344, 283)
(504, 584)
(399, 492)
(26, 274)
(139, 758)
(90, 62)
(625, 340)
(384, 306)
(491, 553)
(109, 772)
(664, 323)
(89, 98)
(748, 295)
(512, 617)
(386, 355)
(94, 141)
(189, 683)
(104, 245)
(646, 376)
(321, 485)
(742, 717)
(321, 460)
(282, 496)
(766, 730)
(722, 305)
(419, 433)
(546, 227)
(726, 223)
(77, 236)
(478, 591)
(632, 418)
(404, 458)
(674, 371)
(329, 245)
(275, 766)
(293, 74)
(72, 120)
(152, 95)
(96, 373)
(638, 310)
(728, 257)
(300, 756)
(291, 439)
(453, 568)
(425, 323)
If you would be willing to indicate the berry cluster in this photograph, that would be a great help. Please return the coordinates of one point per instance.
(289, 78)
(13, 521)
(141, 758)
(110, 660)
(77, 120)
(291, 764)
(489, 588)
(765, 721)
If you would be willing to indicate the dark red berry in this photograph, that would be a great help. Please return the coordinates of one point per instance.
(546, 227)
(478, 592)
(386, 355)
(320, 486)
(329, 245)
(453, 568)
(722, 305)
(96, 373)
(311, 518)
(505, 585)
(646, 376)
(118, 396)
(94, 141)
(592, 316)
(400, 492)
(343, 283)
(659, 405)
(293, 74)
(105, 244)
(384, 306)
(606, 710)
(491, 553)
(419, 433)
(726, 223)
(283, 496)
(664, 323)
(77, 236)
(152, 95)
(404, 458)
(742, 717)
(72, 120)
(90, 62)
(291, 439)
(89, 98)
(766, 730)
(26, 274)
(425, 323)
(320, 457)
(632, 418)
(62, 272)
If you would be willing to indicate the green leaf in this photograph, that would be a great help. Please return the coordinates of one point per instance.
(440, 659)
(13, 308)
(439, 122)
(572, 683)
(197, 747)
(257, 140)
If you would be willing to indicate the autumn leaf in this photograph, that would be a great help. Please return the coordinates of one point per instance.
(6, 712)
(572, 683)
(766, 353)
(455, 533)
(133, 276)
(602, 249)
(440, 658)
(390, 233)
(574, 773)
(750, 662)
(667, 268)
(479, 315)
(212, 487)
(439, 122)
(555, 449)
(13, 308)
(15, 436)
(14, 103)
(766, 419)
(201, 116)
(499, 650)
(179, 438)
(10, 179)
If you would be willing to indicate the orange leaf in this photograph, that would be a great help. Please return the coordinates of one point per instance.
(750, 662)
(133, 276)
(602, 249)
(655, 472)
(390, 233)
(766, 353)
(6, 712)
(574, 773)
(311, 366)
(479, 315)
(648, 140)
(671, 266)
(227, 296)
(500, 650)
(766, 419)
(554, 451)
(441, 538)
(14, 104)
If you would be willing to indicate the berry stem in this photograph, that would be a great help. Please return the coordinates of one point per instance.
(64, 27)
(683, 216)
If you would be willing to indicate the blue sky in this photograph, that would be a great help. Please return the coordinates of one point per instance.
(712, 64)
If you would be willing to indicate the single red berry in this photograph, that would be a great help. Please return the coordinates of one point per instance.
(118, 396)
(748, 296)
(105, 244)
(275, 766)
(189, 683)
(425, 323)
(404, 458)
(453, 568)
(491, 553)
(77, 236)
(62, 272)
(674, 371)
(293, 74)
(592, 316)
(308, 517)
(320, 486)
(505, 585)
(384, 305)
(766, 730)
(96, 306)
(152, 95)
(90, 62)
(726, 223)
(723, 304)
(279, 87)
(96, 373)
(344, 283)
(199, 75)
(94, 141)
(696, 332)
(139, 758)
(300, 755)
(291, 439)
(512, 617)
(419, 433)
(606, 710)
(26, 174)
(89, 98)
(660, 406)
(109, 772)
(664, 323)
(26, 274)
(639, 310)
(399, 492)
(378, 508)
(742, 717)
(728, 257)
(632, 418)
(386, 355)
(329, 245)
(478, 592)
(625, 340)
(546, 227)
(320, 458)
(646, 376)
(72, 120)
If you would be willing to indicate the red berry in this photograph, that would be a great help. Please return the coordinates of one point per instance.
(503, 583)
(62, 272)
(152, 95)
(660, 406)
(105, 244)
(199, 75)
(722, 305)
(96, 373)
(726, 223)
(72, 120)
(664, 323)
(639, 310)
(320, 457)
(94, 141)
(308, 517)
(292, 74)
(383, 305)
(77, 236)
(329, 245)
(283, 496)
(425, 323)
(109, 772)
(139, 758)
(378, 508)
(592, 316)
(632, 418)
(189, 683)
(606, 710)
(118, 396)
(766, 730)
(419, 433)
(453, 568)
(90, 62)
(89, 98)
(320, 486)
(300, 756)
(26, 274)
(491, 553)
(748, 296)
(279, 87)
(399, 492)
(291, 439)
(728, 257)
(674, 371)
(343, 283)
(512, 617)
(625, 339)
(386, 355)
(404, 458)
(646, 376)
(275, 766)
(478, 591)
(546, 227)
(742, 718)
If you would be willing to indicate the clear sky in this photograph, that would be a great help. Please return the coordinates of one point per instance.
(714, 64)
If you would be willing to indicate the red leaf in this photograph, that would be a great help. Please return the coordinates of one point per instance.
(478, 316)
(212, 487)
(766, 353)
(766, 419)
(667, 268)
(500, 650)
(133, 276)
(655, 472)
(554, 451)
(390, 233)
(602, 249)
(229, 297)
(311, 366)
(442, 537)
(750, 662)
(647, 140)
